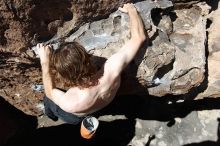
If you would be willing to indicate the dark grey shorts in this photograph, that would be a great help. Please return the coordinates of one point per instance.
(54, 112)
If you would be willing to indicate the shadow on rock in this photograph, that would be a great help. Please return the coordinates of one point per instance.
(17, 128)
(156, 108)
(117, 133)
(13, 122)
(206, 143)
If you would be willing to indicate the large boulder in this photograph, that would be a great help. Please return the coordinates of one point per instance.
(173, 62)
(168, 64)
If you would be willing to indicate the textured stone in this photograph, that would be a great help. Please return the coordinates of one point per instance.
(24, 23)
(186, 70)
(171, 57)
(195, 127)
(184, 3)
(213, 87)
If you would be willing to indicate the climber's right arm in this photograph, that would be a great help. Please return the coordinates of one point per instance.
(117, 62)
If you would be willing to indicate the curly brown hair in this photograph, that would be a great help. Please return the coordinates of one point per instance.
(72, 62)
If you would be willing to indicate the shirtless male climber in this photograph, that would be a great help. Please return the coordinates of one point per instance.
(91, 89)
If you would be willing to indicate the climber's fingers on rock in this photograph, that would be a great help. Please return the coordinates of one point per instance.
(127, 7)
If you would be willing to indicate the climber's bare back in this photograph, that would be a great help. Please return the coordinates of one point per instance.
(88, 100)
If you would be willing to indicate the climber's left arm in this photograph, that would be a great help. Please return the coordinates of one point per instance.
(49, 87)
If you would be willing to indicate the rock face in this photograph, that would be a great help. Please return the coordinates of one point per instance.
(18, 74)
(187, 69)
(172, 62)
(24, 23)
(169, 60)
(213, 89)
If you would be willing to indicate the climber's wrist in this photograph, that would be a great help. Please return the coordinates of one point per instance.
(45, 65)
